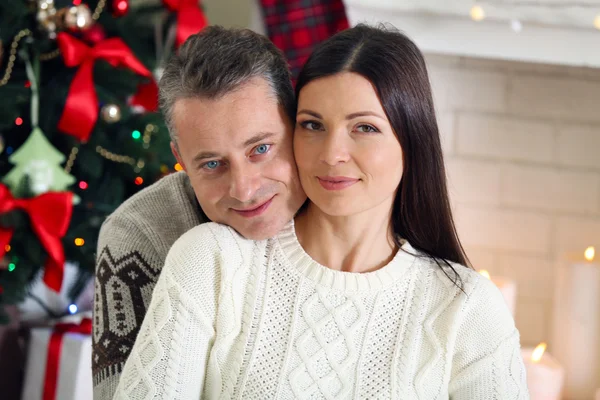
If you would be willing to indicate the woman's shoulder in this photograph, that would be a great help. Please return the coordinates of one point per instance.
(445, 274)
(477, 294)
(210, 245)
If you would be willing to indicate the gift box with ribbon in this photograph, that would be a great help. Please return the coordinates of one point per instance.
(59, 361)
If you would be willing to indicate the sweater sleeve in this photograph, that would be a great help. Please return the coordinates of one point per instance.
(487, 361)
(127, 268)
(171, 353)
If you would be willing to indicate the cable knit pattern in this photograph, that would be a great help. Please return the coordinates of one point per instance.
(232, 318)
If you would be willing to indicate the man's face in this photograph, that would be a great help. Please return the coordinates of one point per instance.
(237, 152)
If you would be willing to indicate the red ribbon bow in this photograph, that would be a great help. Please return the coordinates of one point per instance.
(81, 109)
(190, 18)
(50, 215)
(54, 349)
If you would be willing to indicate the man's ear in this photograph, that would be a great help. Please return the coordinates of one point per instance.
(177, 156)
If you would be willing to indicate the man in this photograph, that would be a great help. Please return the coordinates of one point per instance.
(229, 105)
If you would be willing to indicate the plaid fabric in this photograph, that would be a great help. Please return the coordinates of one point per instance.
(297, 26)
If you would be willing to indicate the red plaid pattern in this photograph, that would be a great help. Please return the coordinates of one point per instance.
(297, 26)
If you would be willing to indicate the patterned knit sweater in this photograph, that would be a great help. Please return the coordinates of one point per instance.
(132, 248)
(232, 318)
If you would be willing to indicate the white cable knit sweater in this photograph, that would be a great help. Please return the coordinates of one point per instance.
(232, 318)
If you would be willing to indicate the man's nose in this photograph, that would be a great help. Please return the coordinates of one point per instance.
(245, 181)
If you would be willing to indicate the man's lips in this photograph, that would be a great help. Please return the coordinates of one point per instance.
(255, 211)
(336, 182)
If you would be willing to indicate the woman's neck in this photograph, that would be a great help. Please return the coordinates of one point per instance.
(357, 243)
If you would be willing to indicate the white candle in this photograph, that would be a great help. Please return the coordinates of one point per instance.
(507, 287)
(576, 326)
(545, 375)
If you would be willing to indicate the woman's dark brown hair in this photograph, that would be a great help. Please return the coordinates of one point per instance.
(395, 66)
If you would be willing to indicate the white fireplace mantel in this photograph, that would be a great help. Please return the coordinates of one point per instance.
(549, 34)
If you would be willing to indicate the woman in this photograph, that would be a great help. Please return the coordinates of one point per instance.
(365, 293)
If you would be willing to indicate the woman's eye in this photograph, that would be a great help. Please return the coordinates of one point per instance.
(211, 164)
(262, 149)
(311, 125)
(367, 129)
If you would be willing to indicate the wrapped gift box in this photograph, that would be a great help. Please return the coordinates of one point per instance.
(73, 377)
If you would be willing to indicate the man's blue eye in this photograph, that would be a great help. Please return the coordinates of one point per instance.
(263, 148)
(212, 164)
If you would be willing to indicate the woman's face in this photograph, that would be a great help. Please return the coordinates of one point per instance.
(349, 158)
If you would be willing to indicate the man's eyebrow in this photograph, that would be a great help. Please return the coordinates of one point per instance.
(258, 138)
(203, 155)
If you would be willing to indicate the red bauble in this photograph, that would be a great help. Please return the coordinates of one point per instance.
(120, 7)
(146, 98)
(94, 35)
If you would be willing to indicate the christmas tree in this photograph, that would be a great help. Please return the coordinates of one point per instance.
(92, 138)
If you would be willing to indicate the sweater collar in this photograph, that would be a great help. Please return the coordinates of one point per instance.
(341, 280)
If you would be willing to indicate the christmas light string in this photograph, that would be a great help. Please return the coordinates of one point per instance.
(43, 57)
(13, 55)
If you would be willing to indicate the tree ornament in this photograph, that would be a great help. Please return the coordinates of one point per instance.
(190, 18)
(145, 99)
(95, 34)
(50, 215)
(38, 160)
(75, 18)
(120, 8)
(111, 113)
(81, 109)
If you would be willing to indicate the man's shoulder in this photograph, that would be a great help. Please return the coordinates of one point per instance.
(151, 220)
(169, 206)
(171, 195)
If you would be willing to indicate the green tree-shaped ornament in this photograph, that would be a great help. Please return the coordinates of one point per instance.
(38, 160)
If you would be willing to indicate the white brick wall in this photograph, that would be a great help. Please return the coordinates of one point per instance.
(579, 146)
(519, 232)
(554, 98)
(522, 150)
(550, 188)
(472, 181)
(495, 136)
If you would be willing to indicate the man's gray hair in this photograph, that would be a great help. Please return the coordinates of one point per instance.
(217, 61)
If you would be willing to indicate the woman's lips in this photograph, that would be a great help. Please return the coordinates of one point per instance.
(336, 182)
